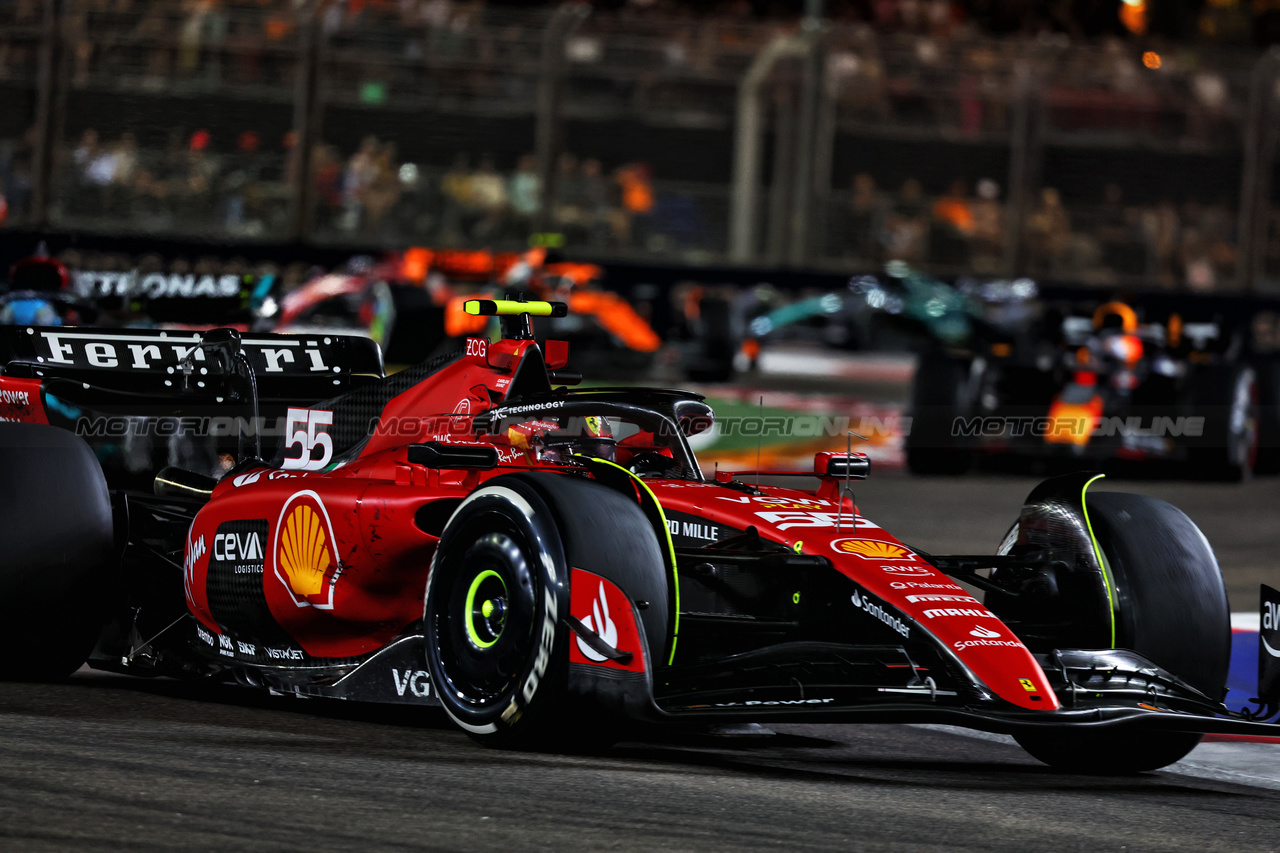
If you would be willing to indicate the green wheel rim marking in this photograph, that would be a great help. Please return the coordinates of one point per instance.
(470, 608)
(1097, 552)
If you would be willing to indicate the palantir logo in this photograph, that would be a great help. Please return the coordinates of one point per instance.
(602, 625)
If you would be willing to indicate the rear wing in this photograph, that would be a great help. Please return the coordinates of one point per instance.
(148, 361)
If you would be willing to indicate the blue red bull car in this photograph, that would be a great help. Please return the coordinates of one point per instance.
(548, 564)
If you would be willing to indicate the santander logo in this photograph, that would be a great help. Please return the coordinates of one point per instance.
(986, 637)
(599, 622)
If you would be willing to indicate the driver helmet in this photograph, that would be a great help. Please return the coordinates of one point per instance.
(39, 274)
(29, 312)
(557, 442)
(598, 441)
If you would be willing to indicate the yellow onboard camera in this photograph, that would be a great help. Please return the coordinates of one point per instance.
(510, 308)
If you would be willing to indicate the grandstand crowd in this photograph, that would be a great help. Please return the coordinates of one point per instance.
(940, 67)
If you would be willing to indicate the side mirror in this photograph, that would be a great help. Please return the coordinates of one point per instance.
(694, 417)
(853, 466)
(222, 343)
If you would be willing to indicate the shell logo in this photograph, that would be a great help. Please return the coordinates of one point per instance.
(304, 551)
(872, 549)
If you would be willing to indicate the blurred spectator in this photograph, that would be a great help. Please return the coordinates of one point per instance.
(866, 219)
(952, 226)
(525, 192)
(328, 184)
(381, 191)
(605, 224)
(489, 194)
(15, 176)
(1161, 228)
(1197, 261)
(954, 208)
(1048, 233)
(566, 202)
(360, 173)
(907, 225)
(458, 200)
(988, 228)
(635, 182)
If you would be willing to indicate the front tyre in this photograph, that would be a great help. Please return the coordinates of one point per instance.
(1226, 397)
(497, 648)
(939, 398)
(1171, 608)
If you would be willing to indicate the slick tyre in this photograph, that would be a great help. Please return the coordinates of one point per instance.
(939, 395)
(1227, 398)
(1268, 418)
(497, 605)
(1171, 607)
(718, 344)
(495, 638)
(55, 518)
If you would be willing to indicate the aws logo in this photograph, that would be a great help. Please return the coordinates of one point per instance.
(871, 549)
(305, 545)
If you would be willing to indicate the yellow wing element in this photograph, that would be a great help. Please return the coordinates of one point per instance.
(304, 554)
(509, 307)
(872, 549)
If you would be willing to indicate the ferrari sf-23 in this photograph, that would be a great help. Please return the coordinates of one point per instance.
(548, 564)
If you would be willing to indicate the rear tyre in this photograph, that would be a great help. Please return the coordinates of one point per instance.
(1226, 396)
(1171, 608)
(1268, 418)
(56, 523)
(717, 343)
(939, 395)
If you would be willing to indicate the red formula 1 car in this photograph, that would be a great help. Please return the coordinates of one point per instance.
(545, 563)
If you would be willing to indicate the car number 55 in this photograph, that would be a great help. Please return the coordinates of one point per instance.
(308, 429)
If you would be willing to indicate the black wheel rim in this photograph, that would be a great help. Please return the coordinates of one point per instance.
(485, 614)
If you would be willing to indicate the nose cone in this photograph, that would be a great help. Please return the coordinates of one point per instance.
(945, 611)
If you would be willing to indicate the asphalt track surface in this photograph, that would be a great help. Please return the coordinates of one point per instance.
(106, 763)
